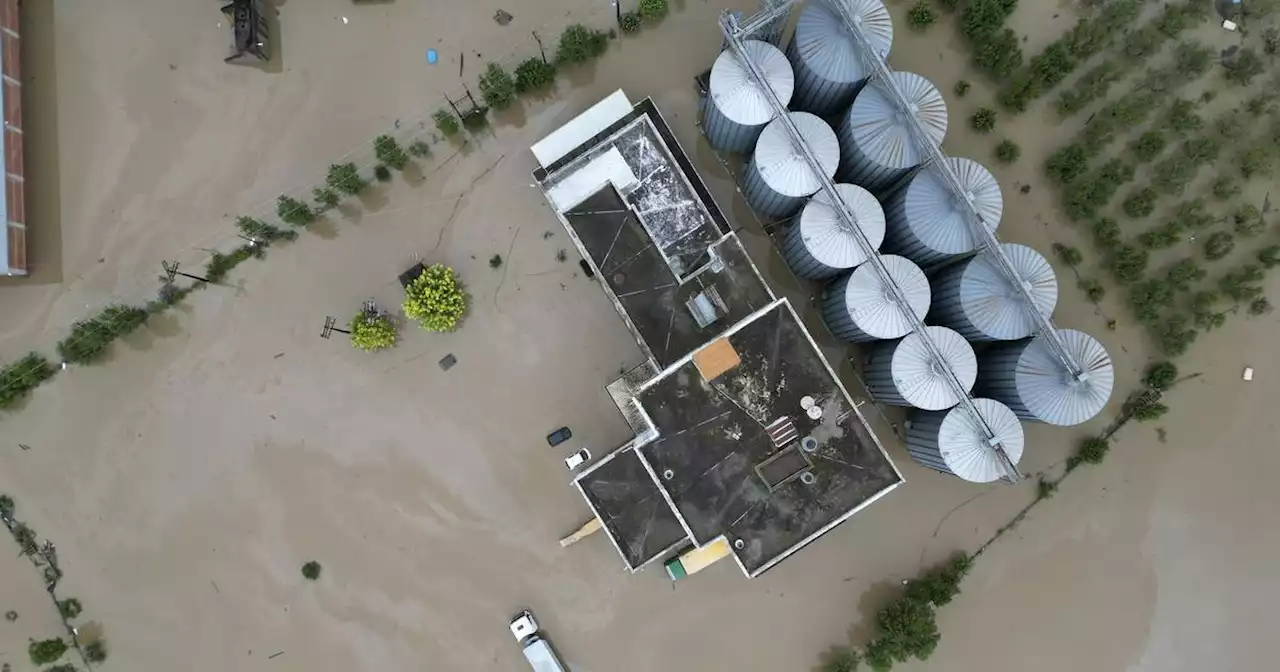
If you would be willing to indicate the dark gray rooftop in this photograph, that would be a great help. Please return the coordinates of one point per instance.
(712, 440)
(633, 269)
(628, 502)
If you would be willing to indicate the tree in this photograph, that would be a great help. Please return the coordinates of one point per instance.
(46, 651)
(1069, 255)
(496, 87)
(1182, 117)
(1260, 306)
(921, 16)
(984, 120)
(1160, 376)
(1269, 256)
(1176, 335)
(1241, 284)
(70, 608)
(1147, 410)
(262, 233)
(1247, 221)
(96, 651)
(1257, 160)
(7, 507)
(579, 44)
(88, 340)
(1106, 233)
(653, 11)
(381, 173)
(1093, 290)
(19, 378)
(1147, 146)
(294, 212)
(372, 331)
(844, 659)
(326, 197)
(1067, 164)
(998, 55)
(311, 570)
(908, 628)
(1129, 263)
(1225, 188)
(1204, 313)
(1093, 450)
(629, 22)
(1191, 59)
(345, 178)
(962, 88)
(1148, 298)
(1008, 151)
(436, 299)
(1201, 150)
(1140, 203)
(446, 123)
(534, 74)
(981, 18)
(389, 152)
(1160, 237)
(1219, 245)
(1244, 67)
(1184, 273)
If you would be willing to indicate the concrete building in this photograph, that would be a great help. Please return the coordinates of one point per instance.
(13, 246)
(743, 432)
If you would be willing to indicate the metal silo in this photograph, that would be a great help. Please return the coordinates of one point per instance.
(820, 246)
(860, 308)
(738, 109)
(929, 224)
(955, 443)
(974, 297)
(828, 64)
(1027, 377)
(877, 147)
(905, 373)
(778, 180)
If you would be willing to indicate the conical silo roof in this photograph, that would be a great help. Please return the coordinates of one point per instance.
(780, 163)
(737, 96)
(929, 223)
(824, 234)
(906, 372)
(876, 138)
(960, 442)
(828, 62)
(869, 306)
(976, 299)
(1026, 376)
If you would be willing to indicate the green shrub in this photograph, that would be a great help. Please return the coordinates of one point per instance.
(446, 123)
(1256, 160)
(942, 584)
(1244, 67)
(1219, 245)
(1183, 274)
(96, 651)
(25, 537)
(629, 22)
(1008, 151)
(908, 628)
(1067, 164)
(19, 378)
(998, 55)
(1260, 306)
(843, 659)
(1268, 256)
(220, 264)
(1140, 203)
(1225, 188)
(389, 151)
(1203, 310)
(1160, 376)
(1147, 146)
(1069, 255)
(1106, 233)
(46, 651)
(1247, 221)
(653, 11)
(326, 198)
(294, 212)
(311, 570)
(1175, 335)
(88, 340)
(1093, 290)
(921, 16)
(436, 299)
(381, 173)
(7, 507)
(1182, 117)
(372, 331)
(962, 88)
(579, 44)
(984, 120)
(497, 87)
(1242, 284)
(345, 178)
(1093, 450)
(1129, 263)
(420, 149)
(261, 232)
(534, 74)
(70, 608)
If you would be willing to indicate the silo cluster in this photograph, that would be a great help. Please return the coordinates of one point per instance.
(954, 442)
(975, 298)
(828, 64)
(877, 144)
(779, 178)
(905, 372)
(738, 109)
(1027, 376)
(860, 307)
(929, 223)
(820, 245)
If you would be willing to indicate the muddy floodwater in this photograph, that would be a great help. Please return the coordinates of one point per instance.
(187, 479)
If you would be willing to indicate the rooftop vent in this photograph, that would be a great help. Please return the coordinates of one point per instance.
(707, 307)
(783, 467)
(782, 431)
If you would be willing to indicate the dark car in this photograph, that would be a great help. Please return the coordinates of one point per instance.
(559, 436)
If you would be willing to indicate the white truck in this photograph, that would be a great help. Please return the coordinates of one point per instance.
(537, 650)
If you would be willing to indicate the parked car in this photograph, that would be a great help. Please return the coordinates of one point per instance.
(559, 436)
(577, 459)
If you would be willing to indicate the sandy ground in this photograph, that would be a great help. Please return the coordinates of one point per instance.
(187, 480)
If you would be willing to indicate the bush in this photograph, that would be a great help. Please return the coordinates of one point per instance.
(1093, 450)
(1106, 233)
(1191, 59)
(1244, 67)
(981, 18)
(1093, 290)
(1069, 255)
(381, 173)
(1219, 245)
(984, 120)
(998, 55)
(534, 74)
(1147, 146)
(1268, 256)
(1241, 284)
(843, 659)
(345, 178)
(19, 378)
(1248, 221)
(389, 152)
(294, 212)
(1148, 298)
(1129, 263)
(962, 88)
(326, 197)
(372, 331)
(921, 16)
(942, 584)
(1067, 164)
(70, 608)
(1182, 117)
(629, 22)
(497, 87)
(1257, 160)
(88, 340)
(1160, 376)
(261, 232)
(311, 570)
(1146, 410)
(1184, 273)
(1008, 151)
(653, 11)
(1176, 336)
(46, 651)
(1202, 310)
(96, 652)
(25, 537)
(1260, 306)
(908, 628)
(436, 299)
(579, 44)
(1225, 188)
(420, 149)
(1140, 203)
(446, 123)
(1092, 85)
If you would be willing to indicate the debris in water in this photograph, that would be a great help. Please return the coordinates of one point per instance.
(431, 56)
(345, 21)
(448, 361)
(502, 17)
(1248, 373)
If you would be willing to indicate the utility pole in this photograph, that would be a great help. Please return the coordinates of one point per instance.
(171, 272)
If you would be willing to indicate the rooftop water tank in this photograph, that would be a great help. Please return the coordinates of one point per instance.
(778, 179)
(905, 373)
(929, 223)
(1027, 377)
(828, 63)
(820, 245)
(737, 108)
(876, 145)
(975, 298)
(859, 307)
(954, 442)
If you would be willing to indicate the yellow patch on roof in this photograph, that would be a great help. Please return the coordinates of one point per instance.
(716, 358)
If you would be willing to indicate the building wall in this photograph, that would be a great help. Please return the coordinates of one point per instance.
(15, 197)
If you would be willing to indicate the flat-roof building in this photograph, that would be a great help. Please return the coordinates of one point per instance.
(742, 429)
(13, 210)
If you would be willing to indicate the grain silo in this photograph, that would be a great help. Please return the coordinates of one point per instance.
(1026, 376)
(737, 108)
(929, 223)
(976, 299)
(954, 442)
(877, 145)
(779, 179)
(829, 69)
(905, 372)
(820, 245)
(859, 307)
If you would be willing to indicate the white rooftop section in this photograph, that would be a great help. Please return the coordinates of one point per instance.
(580, 129)
(606, 168)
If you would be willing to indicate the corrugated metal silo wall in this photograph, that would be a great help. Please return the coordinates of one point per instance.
(950, 306)
(860, 169)
(836, 313)
(815, 93)
(997, 377)
(921, 438)
(877, 373)
(797, 255)
(766, 201)
(726, 135)
(902, 225)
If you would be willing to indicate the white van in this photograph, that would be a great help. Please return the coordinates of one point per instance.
(536, 649)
